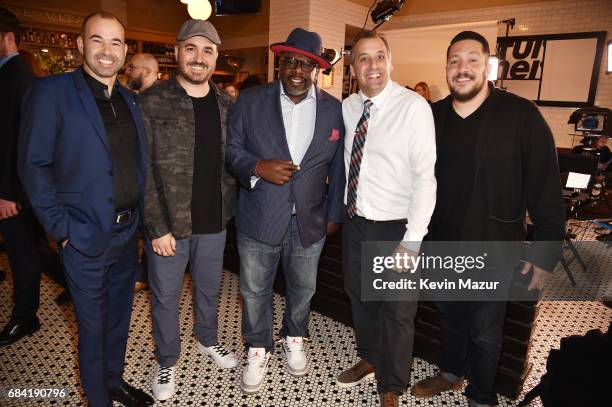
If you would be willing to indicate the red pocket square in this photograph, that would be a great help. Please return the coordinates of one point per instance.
(334, 135)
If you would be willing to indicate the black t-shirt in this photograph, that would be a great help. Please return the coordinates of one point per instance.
(206, 190)
(455, 173)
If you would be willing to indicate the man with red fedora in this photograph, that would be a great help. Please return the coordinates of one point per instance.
(285, 145)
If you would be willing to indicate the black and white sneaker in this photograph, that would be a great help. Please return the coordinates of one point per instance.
(164, 384)
(222, 357)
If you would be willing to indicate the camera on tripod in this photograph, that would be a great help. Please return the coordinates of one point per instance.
(592, 122)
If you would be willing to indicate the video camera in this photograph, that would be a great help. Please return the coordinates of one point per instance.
(592, 122)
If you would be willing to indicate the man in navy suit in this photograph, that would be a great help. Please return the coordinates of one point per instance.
(83, 165)
(284, 141)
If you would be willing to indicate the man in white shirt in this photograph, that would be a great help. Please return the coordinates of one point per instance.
(389, 155)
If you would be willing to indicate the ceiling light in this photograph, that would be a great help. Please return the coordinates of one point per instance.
(199, 9)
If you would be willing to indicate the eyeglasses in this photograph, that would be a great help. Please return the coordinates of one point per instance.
(132, 66)
(292, 63)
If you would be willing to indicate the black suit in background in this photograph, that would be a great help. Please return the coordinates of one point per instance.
(26, 243)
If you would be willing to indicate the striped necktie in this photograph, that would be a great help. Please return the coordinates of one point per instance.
(356, 154)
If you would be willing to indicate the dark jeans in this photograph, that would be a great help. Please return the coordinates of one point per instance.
(29, 254)
(472, 334)
(258, 265)
(102, 290)
(384, 330)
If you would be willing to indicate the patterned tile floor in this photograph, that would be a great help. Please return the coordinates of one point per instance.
(48, 358)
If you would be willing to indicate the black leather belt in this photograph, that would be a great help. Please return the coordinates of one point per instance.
(404, 221)
(124, 216)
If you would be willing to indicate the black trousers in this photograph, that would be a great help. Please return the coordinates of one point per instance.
(29, 254)
(384, 329)
(472, 334)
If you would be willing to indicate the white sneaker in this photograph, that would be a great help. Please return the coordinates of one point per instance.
(222, 357)
(297, 362)
(164, 382)
(255, 370)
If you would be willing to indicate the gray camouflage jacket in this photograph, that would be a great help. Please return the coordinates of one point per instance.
(167, 113)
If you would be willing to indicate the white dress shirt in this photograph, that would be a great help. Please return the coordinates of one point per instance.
(396, 179)
(299, 120)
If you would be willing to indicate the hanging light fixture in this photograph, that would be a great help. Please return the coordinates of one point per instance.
(185, 1)
(199, 9)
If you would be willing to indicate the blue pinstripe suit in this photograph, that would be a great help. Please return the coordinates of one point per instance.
(266, 230)
(256, 132)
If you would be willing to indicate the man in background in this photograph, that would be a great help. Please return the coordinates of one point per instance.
(26, 243)
(141, 72)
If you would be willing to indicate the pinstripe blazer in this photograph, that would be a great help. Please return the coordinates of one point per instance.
(256, 132)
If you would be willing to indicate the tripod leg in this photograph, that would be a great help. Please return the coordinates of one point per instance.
(568, 271)
(575, 252)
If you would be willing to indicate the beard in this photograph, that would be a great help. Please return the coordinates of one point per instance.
(293, 90)
(195, 79)
(135, 83)
(469, 94)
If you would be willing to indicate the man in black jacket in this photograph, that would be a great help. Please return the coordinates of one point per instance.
(496, 160)
(26, 243)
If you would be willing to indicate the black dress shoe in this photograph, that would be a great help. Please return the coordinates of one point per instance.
(130, 396)
(14, 331)
(63, 298)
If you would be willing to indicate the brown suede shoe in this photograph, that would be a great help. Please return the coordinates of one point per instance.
(390, 399)
(140, 286)
(433, 386)
(351, 377)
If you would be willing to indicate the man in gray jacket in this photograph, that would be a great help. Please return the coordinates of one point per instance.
(189, 199)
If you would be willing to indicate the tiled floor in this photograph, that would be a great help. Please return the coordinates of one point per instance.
(48, 358)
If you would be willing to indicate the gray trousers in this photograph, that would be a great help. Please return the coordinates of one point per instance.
(204, 254)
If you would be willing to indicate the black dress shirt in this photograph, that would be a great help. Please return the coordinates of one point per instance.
(122, 138)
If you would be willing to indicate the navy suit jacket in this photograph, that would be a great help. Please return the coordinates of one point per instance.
(65, 163)
(256, 132)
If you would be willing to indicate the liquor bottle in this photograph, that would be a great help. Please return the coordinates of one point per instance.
(30, 36)
(52, 38)
(38, 37)
(45, 37)
(70, 40)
